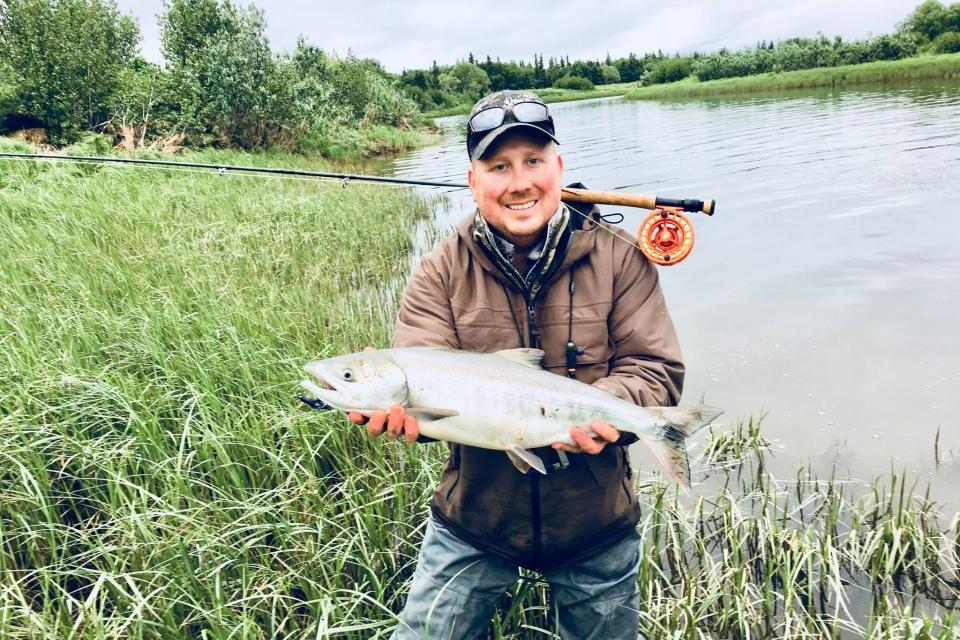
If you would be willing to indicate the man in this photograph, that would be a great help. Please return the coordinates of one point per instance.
(526, 270)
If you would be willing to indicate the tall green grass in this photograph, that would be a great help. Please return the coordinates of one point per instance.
(159, 479)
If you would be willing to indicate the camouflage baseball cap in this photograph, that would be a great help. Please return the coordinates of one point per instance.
(534, 118)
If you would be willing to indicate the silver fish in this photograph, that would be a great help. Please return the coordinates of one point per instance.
(503, 400)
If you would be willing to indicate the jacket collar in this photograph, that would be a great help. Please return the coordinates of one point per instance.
(584, 237)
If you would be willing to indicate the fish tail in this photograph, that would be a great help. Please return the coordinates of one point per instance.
(676, 425)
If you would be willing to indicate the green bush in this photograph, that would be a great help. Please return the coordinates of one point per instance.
(221, 65)
(577, 83)
(67, 57)
(948, 42)
(611, 74)
(932, 18)
(668, 70)
(8, 94)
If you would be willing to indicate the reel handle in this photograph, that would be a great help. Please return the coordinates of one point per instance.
(640, 201)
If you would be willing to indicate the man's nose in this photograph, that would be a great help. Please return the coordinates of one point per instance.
(520, 181)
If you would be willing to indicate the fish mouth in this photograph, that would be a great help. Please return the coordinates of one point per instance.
(321, 386)
(323, 389)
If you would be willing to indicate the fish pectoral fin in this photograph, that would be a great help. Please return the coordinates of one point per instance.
(428, 414)
(527, 357)
(524, 460)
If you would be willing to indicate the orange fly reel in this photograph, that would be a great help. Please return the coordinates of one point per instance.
(666, 236)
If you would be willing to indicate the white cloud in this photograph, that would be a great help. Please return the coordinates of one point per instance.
(413, 33)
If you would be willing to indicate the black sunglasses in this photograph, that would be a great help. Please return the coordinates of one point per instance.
(527, 112)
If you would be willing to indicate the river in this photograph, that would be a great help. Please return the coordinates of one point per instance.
(823, 295)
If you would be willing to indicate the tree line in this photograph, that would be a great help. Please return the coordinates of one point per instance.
(69, 66)
(931, 28)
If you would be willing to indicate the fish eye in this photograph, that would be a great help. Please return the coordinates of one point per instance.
(347, 374)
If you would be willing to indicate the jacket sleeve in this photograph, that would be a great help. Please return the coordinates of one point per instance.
(425, 318)
(647, 366)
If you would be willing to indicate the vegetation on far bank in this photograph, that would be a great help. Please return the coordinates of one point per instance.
(932, 28)
(71, 66)
(946, 66)
(550, 95)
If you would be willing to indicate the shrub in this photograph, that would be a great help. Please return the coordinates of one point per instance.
(220, 64)
(948, 42)
(610, 73)
(577, 83)
(668, 70)
(67, 58)
(932, 18)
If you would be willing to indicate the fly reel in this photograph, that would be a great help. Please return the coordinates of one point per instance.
(666, 236)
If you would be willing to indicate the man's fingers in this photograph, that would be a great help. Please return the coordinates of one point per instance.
(369, 349)
(375, 424)
(605, 430)
(411, 428)
(563, 446)
(395, 421)
(586, 443)
(356, 417)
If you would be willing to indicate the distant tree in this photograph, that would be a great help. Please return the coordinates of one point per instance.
(66, 58)
(577, 83)
(466, 79)
(630, 68)
(610, 74)
(539, 73)
(948, 42)
(928, 20)
(668, 70)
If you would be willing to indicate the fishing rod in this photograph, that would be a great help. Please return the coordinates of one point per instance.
(666, 235)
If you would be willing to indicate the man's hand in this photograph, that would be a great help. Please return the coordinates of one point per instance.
(606, 434)
(395, 423)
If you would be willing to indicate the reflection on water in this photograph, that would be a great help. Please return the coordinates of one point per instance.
(824, 292)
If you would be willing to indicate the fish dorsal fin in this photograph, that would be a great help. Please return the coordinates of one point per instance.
(525, 356)
(524, 460)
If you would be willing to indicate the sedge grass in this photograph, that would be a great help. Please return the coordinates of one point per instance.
(158, 478)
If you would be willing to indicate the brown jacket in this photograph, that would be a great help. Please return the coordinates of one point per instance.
(457, 298)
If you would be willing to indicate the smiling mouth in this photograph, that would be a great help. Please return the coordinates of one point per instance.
(522, 206)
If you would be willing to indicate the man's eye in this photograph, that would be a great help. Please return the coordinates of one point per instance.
(535, 160)
(500, 167)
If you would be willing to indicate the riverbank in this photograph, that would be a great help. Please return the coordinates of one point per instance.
(336, 144)
(549, 95)
(945, 66)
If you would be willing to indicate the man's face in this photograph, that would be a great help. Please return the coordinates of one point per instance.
(516, 186)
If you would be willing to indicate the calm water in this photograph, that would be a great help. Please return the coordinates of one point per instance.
(825, 293)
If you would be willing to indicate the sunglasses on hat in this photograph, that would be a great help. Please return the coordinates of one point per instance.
(526, 112)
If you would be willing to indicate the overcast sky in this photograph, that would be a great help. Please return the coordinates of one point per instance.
(413, 33)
